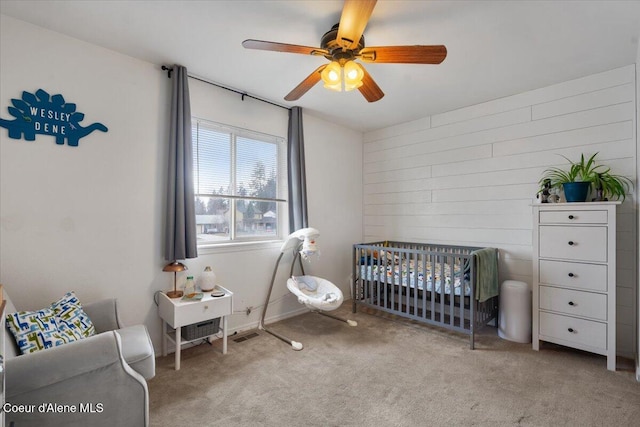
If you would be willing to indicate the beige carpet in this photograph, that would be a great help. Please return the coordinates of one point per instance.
(388, 372)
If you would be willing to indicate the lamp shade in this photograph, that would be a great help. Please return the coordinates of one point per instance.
(353, 75)
(175, 266)
(332, 76)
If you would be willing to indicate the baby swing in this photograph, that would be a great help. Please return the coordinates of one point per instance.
(316, 293)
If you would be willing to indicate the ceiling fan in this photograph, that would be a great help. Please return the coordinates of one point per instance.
(342, 45)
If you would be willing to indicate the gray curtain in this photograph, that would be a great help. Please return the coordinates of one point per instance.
(297, 176)
(181, 219)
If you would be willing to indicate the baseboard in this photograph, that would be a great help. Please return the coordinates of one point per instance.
(271, 319)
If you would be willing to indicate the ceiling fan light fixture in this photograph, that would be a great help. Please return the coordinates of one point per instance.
(353, 75)
(342, 77)
(332, 76)
(343, 44)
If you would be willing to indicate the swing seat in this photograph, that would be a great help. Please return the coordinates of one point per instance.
(315, 292)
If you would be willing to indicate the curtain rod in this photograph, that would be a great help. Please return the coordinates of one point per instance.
(242, 94)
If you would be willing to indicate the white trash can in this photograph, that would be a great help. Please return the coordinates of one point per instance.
(515, 311)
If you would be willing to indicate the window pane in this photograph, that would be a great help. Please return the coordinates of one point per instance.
(212, 160)
(212, 219)
(236, 167)
(252, 222)
(256, 169)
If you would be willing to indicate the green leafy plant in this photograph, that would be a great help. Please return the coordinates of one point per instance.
(600, 177)
(610, 185)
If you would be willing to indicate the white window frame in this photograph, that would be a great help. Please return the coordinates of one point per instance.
(281, 186)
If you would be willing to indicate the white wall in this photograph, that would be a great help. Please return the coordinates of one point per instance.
(468, 176)
(333, 159)
(335, 196)
(90, 218)
(638, 196)
(85, 218)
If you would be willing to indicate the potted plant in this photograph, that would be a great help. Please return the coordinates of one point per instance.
(582, 175)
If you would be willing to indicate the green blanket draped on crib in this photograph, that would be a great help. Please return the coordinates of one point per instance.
(486, 273)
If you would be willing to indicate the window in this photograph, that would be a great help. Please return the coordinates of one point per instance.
(239, 179)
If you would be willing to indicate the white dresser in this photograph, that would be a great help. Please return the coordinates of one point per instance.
(574, 276)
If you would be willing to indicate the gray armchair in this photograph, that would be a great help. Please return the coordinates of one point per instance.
(101, 379)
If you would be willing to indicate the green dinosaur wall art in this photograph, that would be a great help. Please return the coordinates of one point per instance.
(43, 114)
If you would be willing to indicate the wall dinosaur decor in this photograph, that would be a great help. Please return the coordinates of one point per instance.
(43, 114)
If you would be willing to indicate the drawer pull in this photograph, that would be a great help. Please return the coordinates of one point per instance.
(571, 217)
(571, 275)
(571, 243)
(206, 307)
(571, 330)
(571, 303)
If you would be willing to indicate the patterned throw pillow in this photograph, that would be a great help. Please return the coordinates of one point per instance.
(71, 318)
(35, 330)
(63, 322)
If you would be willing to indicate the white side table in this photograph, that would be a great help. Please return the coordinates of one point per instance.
(178, 313)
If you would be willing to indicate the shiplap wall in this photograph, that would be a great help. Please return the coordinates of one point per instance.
(469, 176)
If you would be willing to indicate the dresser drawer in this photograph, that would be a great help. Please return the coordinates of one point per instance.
(573, 217)
(574, 243)
(592, 277)
(577, 303)
(571, 330)
(195, 312)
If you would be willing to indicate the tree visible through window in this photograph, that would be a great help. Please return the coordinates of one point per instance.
(239, 179)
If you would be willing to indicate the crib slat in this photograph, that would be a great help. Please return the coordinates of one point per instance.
(432, 277)
(390, 280)
(452, 294)
(442, 290)
(472, 302)
(354, 278)
(407, 279)
(463, 288)
(414, 280)
(423, 299)
(378, 264)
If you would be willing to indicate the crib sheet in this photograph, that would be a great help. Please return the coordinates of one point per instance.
(397, 275)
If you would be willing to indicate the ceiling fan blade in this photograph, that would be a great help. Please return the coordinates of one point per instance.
(283, 47)
(370, 89)
(305, 85)
(404, 54)
(354, 19)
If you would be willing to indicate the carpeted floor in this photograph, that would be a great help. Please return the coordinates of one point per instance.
(388, 372)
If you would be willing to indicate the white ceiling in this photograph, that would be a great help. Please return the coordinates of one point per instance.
(495, 48)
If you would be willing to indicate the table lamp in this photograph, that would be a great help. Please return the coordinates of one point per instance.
(174, 266)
